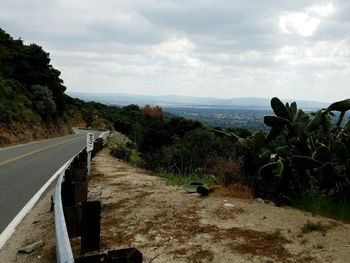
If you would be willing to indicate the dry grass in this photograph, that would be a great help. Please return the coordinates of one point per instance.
(236, 190)
(309, 227)
(225, 170)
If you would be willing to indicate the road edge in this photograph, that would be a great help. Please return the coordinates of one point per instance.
(11, 228)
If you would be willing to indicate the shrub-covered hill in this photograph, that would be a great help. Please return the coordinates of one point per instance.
(33, 104)
(31, 93)
(29, 85)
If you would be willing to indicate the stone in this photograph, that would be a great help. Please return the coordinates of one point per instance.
(259, 200)
(30, 248)
(268, 202)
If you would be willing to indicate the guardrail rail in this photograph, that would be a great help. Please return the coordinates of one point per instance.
(70, 199)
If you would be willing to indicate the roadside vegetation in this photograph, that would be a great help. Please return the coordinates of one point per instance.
(302, 160)
(176, 148)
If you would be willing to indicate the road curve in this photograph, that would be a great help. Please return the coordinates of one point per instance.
(24, 169)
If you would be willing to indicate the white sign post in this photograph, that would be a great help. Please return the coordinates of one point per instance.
(89, 148)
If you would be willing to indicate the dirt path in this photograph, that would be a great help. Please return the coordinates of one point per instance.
(168, 225)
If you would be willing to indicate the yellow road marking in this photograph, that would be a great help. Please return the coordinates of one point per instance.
(33, 152)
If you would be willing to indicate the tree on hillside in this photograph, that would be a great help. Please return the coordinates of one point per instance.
(155, 112)
(30, 65)
(43, 101)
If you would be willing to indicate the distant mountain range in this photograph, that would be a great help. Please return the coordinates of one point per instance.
(186, 101)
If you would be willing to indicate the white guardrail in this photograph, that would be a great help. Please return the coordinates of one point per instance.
(64, 252)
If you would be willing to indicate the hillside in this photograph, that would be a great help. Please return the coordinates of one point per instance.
(31, 93)
(33, 104)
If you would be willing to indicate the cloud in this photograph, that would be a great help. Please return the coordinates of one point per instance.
(323, 54)
(305, 23)
(215, 48)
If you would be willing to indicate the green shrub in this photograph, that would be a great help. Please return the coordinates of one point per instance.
(121, 152)
(190, 153)
(135, 158)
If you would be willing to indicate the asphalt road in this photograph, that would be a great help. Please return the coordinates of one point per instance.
(24, 169)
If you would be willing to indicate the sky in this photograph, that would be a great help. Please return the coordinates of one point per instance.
(292, 49)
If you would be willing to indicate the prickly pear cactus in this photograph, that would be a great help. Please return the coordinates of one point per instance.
(315, 150)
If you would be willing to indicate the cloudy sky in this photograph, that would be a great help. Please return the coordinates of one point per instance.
(218, 48)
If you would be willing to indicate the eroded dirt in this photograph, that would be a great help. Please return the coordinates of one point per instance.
(18, 132)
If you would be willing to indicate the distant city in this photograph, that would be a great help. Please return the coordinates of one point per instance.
(226, 113)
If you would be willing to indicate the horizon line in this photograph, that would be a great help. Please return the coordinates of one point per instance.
(200, 97)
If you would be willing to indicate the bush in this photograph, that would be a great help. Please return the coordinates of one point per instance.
(43, 101)
(227, 171)
(191, 152)
(121, 152)
(122, 126)
(155, 112)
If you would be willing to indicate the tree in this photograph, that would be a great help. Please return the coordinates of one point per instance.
(43, 101)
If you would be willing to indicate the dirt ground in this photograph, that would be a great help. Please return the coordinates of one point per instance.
(168, 225)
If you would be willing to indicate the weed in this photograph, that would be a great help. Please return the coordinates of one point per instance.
(319, 246)
(319, 204)
(135, 158)
(276, 236)
(227, 171)
(309, 227)
(172, 179)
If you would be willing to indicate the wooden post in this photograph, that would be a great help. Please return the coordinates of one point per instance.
(73, 194)
(90, 226)
(72, 217)
(80, 174)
